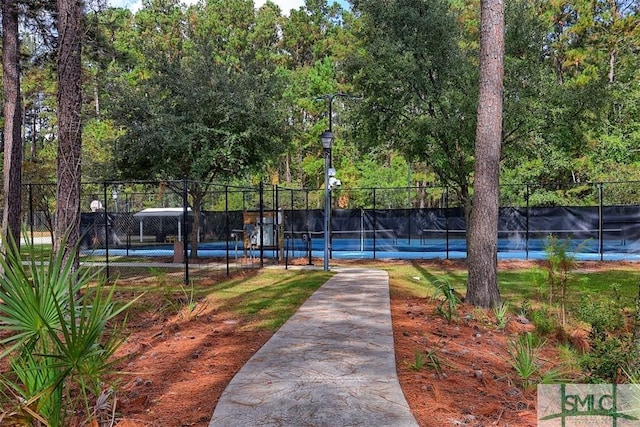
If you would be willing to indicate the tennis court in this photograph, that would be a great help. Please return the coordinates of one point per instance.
(590, 233)
(298, 245)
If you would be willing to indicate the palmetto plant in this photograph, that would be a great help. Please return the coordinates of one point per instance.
(448, 300)
(500, 311)
(59, 339)
(421, 359)
(523, 358)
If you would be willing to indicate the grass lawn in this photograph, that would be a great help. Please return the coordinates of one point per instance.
(214, 324)
(528, 284)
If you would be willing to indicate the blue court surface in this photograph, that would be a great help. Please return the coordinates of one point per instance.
(400, 249)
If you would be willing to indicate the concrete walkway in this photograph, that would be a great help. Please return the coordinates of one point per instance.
(332, 364)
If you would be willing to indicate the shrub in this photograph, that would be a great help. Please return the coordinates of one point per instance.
(560, 265)
(610, 352)
(60, 346)
(608, 358)
(603, 316)
(544, 321)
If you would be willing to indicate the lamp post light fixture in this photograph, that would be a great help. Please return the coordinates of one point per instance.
(327, 141)
(330, 97)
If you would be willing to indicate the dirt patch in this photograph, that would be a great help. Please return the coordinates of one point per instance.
(466, 379)
(178, 368)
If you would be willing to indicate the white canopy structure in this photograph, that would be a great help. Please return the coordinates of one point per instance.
(161, 213)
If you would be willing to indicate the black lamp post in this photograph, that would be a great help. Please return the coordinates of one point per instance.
(330, 97)
(327, 141)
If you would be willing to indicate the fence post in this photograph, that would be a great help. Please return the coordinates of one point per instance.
(106, 227)
(409, 210)
(306, 216)
(374, 223)
(526, 232)
(129, 225)
(226, 223)
(600, 222)
(329, 201)
(260, 220)
(446, 221)
(31, 217)
(276, 213)
(292, 233)
(185, 236)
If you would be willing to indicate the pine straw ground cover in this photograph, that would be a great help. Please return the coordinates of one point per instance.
(178, 361)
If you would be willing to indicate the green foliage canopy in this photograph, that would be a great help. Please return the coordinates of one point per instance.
(203, 103)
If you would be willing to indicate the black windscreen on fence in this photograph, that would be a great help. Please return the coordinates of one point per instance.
(614, 221)
(588, 229)
(238, 225)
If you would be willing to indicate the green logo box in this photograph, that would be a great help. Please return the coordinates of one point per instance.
(597, 405)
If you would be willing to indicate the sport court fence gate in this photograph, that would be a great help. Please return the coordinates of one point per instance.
(151, 224)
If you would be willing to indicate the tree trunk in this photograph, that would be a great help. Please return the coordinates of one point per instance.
(34, 133)
(482, 285)
(67, 215)
(12, 167)
(612, 65)
(287, 169)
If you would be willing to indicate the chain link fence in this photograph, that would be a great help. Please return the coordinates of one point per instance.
(194, 227)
